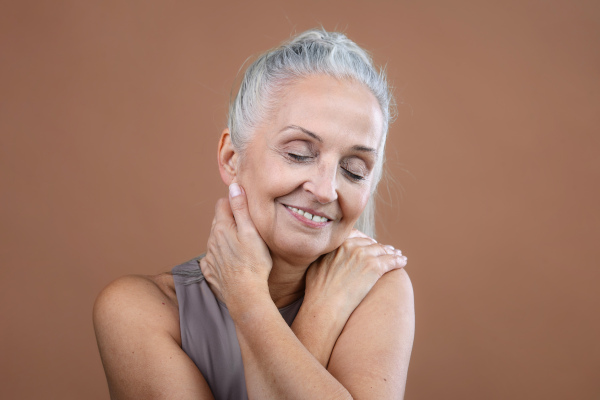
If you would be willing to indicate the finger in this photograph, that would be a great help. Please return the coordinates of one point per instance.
(223, 215)
(377, 249)
(392, 249)
(204, 266)
(239, 206)
(389, 262)
(218, 211)
(223, 210)
(363, 247)
(353, 243)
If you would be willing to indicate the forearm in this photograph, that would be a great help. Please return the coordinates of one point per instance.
(318, 327)
(276, 363)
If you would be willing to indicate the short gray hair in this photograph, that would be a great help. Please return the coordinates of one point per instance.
(314, 52)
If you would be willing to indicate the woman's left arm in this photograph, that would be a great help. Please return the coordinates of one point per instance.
(276, 363)
(369, 361)
(371, 356)
(336, 284)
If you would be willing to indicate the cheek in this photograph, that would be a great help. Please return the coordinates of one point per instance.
(250, 176)
(261, 188)
(251, 182)
(358, 203)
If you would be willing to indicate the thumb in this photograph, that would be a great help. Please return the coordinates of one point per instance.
(239, 206)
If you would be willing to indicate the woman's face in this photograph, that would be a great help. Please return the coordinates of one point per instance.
(314, 155)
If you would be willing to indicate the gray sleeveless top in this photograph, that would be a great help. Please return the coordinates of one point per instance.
(208, 333)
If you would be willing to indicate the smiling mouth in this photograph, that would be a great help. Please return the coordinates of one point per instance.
(307, 215)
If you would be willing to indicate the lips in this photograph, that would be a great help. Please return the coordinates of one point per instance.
(309, 214)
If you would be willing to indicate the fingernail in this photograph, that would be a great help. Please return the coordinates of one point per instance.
(234, 190)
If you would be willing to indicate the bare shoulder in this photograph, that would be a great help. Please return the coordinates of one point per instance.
(398, 275)
(372, 354)
(148, 300)
(390, 302)
(136, 320)
(395, 283)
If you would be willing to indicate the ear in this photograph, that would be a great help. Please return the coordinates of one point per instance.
(227, 157)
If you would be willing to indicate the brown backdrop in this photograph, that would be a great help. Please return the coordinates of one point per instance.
(109, 119)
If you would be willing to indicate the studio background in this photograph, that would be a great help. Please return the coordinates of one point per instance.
(110, 114)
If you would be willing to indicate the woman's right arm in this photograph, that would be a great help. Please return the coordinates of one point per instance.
(276, 363)
(137, 329)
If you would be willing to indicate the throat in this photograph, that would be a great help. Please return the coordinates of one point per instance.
(286, 282)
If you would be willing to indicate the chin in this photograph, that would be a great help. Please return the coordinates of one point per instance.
(299, 252)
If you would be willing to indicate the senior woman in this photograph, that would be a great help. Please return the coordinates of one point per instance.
(289, 300)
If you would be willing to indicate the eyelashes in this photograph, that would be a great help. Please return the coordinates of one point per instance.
(298, 157)
(303, 159)
(353, 176)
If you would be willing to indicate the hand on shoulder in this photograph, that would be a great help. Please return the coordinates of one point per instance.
(346, 275)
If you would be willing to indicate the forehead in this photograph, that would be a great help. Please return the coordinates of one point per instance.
(338, 110)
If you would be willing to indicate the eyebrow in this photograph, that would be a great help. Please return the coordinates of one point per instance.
(318, 138)
(299, 128)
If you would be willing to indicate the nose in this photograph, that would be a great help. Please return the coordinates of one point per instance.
(323, 183)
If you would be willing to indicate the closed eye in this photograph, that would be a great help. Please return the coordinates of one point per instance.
(354, 169)
(353, 176)
(298, 157)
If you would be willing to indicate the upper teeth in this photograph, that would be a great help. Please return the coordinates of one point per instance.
(307, 215)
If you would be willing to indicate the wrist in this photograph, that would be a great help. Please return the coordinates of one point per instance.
(248, 297)
(325, 311)
(318, 327)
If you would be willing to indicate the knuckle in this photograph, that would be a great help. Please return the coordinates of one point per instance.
(373, 265)
(346, 245)
(220, 231)
(360, 251)
(218, 228)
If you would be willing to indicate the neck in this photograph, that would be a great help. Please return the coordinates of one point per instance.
(286, 281)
